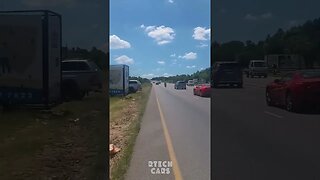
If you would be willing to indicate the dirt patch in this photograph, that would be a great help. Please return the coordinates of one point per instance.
(67, 142)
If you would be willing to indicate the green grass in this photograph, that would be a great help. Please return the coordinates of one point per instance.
(118, 173)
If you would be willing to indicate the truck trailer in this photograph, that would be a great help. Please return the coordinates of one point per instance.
(119, 80)
(285, 61)
(30, 57)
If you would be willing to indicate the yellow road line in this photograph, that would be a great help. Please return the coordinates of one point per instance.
(172, 155)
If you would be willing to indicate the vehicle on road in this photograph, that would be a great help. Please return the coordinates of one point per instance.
(180, 85)
(295, 90)
(227, 73)
(80, 77)
(257, 68)
(134, 86)
(202, 90)
(190, 83)
(157, 83)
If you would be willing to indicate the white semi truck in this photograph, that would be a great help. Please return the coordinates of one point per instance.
(119, 80)
(30, 57)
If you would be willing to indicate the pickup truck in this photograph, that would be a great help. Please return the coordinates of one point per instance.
(257, 68)
(79, 77)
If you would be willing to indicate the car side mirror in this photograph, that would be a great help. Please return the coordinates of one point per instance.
(277, 81)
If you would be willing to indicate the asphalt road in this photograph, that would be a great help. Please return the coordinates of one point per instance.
(252, 141)
(175, 127)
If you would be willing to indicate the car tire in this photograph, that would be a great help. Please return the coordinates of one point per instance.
(71, 91)
(269, 99)
(290, 105)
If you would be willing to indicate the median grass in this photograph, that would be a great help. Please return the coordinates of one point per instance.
(125, 117)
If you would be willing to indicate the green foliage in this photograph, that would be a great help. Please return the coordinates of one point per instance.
(301, 40)
(200, 75)
(96, 55)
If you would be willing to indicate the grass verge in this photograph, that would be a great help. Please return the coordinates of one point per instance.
(67, 142)
(125, 117)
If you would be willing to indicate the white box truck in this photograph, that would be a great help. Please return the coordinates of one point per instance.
(30, 57)
(285, 61)
(119, 80)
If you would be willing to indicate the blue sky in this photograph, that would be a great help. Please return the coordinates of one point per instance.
(160, 38)
(254, 20)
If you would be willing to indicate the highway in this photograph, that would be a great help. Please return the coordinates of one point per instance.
(175, 127)
(252, 141)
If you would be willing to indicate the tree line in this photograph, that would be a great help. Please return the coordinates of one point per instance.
(302, 40)
(203, 75)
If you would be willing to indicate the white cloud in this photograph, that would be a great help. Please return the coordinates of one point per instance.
(161, 62)
(166, 74)
(189, 67)
(161, 34)
(117, 43)
(170, 1)
(266, 15)
(201, 33)
(148, 76)
(250, 17)
(124, 60)
(189, 56)
(173, 55)
(203, 45)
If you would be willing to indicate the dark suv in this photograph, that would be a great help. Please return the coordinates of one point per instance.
(227, 73)
(180, 85)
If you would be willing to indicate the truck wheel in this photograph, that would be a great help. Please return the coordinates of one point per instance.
(71, 91)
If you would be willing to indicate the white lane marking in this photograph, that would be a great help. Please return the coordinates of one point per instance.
(273, 114)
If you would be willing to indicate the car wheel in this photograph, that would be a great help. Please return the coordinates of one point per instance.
(269, 99)
(290, 104)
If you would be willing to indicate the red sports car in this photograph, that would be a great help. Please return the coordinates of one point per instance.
(295, 90)
(202, 90)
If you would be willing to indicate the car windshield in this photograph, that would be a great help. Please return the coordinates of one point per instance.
(311, 74)
(133, 82)
(259, 64)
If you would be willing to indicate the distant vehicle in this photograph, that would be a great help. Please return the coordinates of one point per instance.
(119, 79)
(202, 90)
(134, 86)
(180, 85)
(190, 83)
(227, 73)
(158, 82)
(257, 68)
(80, 77)
(295, 90)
